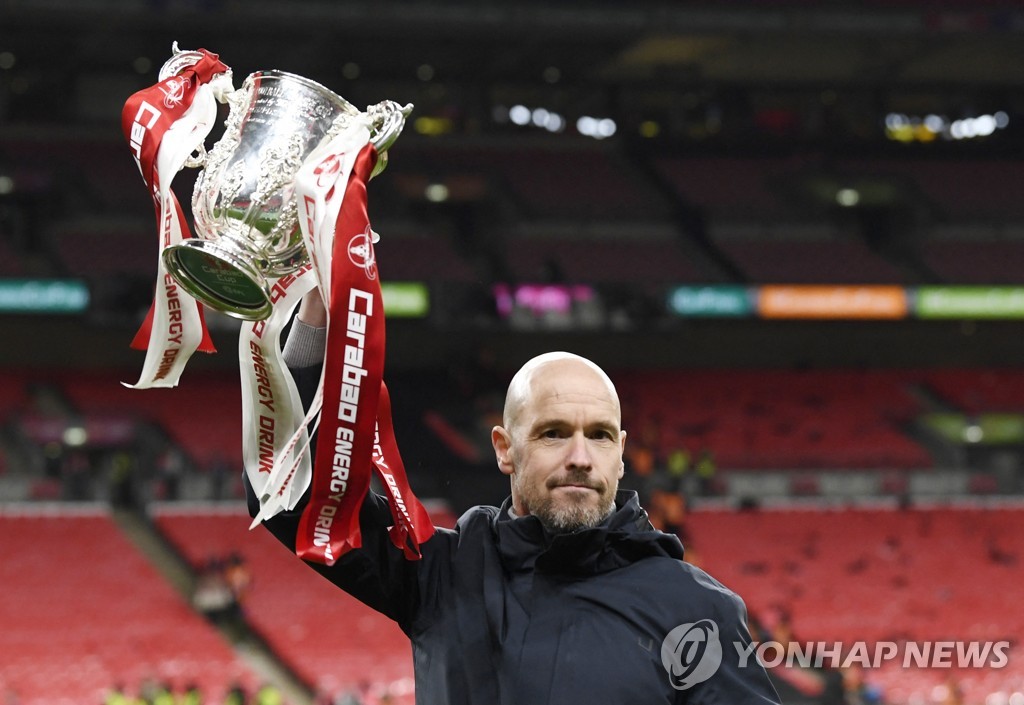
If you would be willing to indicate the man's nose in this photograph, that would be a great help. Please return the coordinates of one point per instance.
(579, 452)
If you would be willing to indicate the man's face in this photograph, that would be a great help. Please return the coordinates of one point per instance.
(563, 447)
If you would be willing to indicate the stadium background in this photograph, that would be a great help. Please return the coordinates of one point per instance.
(630, 183)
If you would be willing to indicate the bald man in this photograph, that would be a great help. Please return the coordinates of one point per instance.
(561, 442)
(565, 593)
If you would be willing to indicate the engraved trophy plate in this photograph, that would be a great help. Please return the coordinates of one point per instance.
(246, 223)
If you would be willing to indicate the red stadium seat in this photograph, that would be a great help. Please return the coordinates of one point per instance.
(215, 434)
(84, 611)
(779, 419)
(328, 638)
(980, 391)
(874, 575)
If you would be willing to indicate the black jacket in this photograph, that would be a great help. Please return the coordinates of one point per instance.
(500, 612)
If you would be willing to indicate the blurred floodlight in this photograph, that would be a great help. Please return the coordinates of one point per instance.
(554, 123)
(598, 128)
(75, 436)
(909, 128)
(894, 121)
(847, 197)
(984, 125)
(436, 193)
(935, 123)
(649, 128)
(519, 114)
(432, 126)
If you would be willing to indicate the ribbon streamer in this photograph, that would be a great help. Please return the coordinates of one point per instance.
(164, 125)
(356, 433)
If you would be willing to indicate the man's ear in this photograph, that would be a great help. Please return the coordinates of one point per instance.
(622, 453)
(502, 442)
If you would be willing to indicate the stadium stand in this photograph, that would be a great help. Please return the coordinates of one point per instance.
(544, 182)
(878, 575)
(980, 391)
(550, 183)
(630, 258)
(92, 171)
(11, 263)
(13, 393)
(813, 426)
(978, 262)
(737, 188)
(768, 261)
(213, 436)
(330, 640)
(779, 419)
(83, 612)
(420, 257)
(767, 189)
(958, 190)
(105, 248)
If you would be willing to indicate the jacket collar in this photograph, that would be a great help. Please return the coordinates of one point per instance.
(625, 537)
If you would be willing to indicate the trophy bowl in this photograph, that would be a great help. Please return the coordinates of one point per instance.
(243, 202)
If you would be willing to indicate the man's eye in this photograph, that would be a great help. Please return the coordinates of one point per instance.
(552, 433)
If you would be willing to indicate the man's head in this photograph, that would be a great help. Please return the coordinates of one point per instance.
(561, 441)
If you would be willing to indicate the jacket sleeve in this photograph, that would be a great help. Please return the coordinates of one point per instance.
(377, 574)
(740, 679)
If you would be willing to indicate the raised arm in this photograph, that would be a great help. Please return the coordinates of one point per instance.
(378, 573)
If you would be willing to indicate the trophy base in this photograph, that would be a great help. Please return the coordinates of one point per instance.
(220, 278)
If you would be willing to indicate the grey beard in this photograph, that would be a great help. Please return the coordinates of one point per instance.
(564, 519)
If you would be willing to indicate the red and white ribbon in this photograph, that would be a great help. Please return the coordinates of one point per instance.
(319, 192)
(351, 406)
(273, 423)
(356, 433)
(164, 125)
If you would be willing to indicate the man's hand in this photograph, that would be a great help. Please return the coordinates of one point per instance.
(312, 311)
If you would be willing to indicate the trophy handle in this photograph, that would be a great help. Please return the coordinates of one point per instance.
(181, 59)
(387, 120)
(197, 159)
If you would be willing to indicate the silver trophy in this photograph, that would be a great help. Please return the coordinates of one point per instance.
(247, 229)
